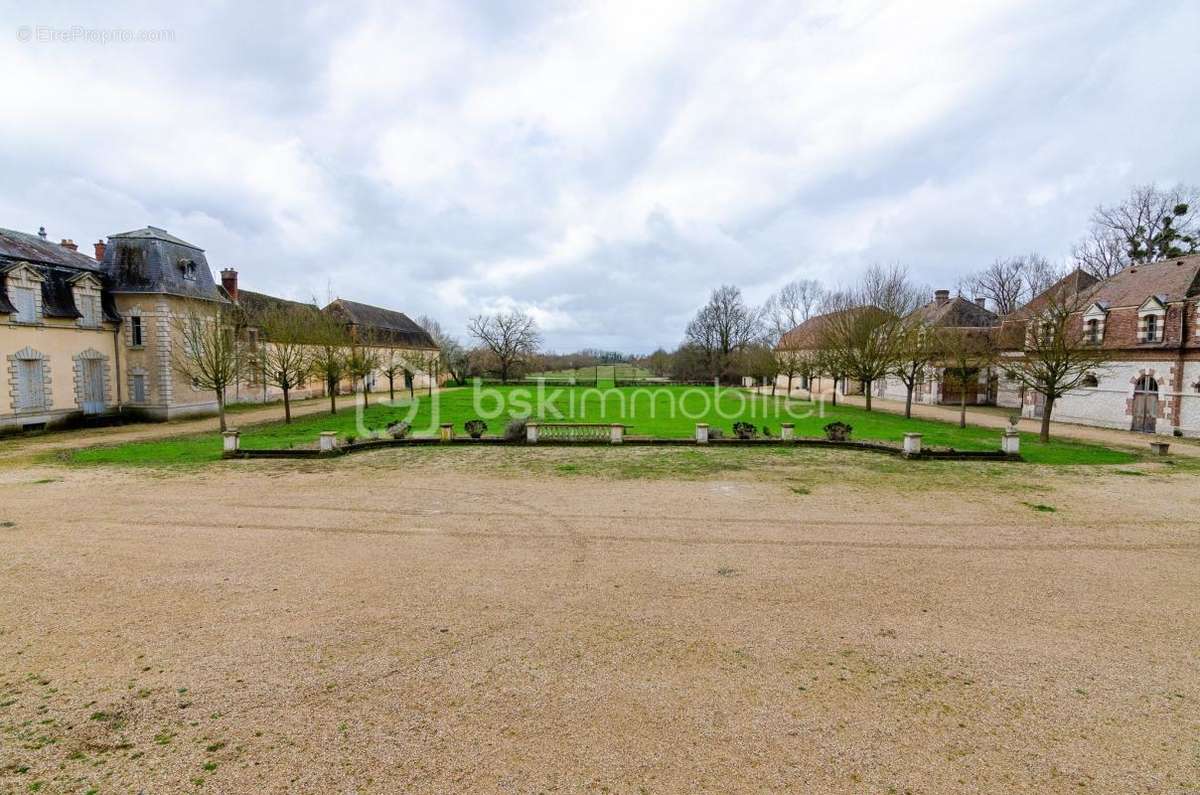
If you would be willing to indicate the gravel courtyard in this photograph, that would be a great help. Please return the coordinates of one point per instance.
(815, 622)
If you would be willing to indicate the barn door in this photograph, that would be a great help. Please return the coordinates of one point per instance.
(1145, 405)
(93, 386)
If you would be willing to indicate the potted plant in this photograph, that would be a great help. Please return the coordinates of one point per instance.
(838, 431)
(743, 430)
(475, 428)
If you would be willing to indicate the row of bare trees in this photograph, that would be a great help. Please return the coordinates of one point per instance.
(285, 348)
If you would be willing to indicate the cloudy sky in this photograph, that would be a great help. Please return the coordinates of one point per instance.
(600, 164)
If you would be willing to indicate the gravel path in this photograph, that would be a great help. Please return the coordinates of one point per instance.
(377, 624)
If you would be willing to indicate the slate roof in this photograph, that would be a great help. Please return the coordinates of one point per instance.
(57, 266)
(958, 312)
(152, 260)
(23, 247)
(384, 324)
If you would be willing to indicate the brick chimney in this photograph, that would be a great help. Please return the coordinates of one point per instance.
(941, 297)
(69, 244)
(229, 282)
(982, 301)
(100, 247)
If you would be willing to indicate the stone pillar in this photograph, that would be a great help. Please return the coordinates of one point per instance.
(446, 432)
(1160, 448)
(1010, 442)
(232, 440)
(531, 432)
(787, 431)
(328, 441)
(701, 433)
(912, 444)
(616, 434)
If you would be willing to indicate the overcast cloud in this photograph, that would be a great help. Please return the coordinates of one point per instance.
(601, 164)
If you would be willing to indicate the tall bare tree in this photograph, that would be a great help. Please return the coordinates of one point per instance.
(362, 359)
(1154, 223)
(866, 327)
(284, 354)
(793, 304)
(209, 353)
(511, 337)
(1011, 282)
(1056, 354)
(723, 327)
(1101, 253)
(918, 346)
(331, 342)
(964, 353)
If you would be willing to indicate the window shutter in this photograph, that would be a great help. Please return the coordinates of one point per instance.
(23, 301)
(30, 386)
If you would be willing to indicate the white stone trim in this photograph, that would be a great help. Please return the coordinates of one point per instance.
(25, 276)
(29, 354)
(91, 353)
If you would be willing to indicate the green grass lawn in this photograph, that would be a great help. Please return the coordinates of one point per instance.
(667, 412)
(604, 374)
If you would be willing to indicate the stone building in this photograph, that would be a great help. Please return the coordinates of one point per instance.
(157, 282)
(938, 386)
(1146, 319)
(60, 352)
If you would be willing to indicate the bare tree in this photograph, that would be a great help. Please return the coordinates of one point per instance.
(284, 354)
(329, 353)
(209, 353)
(795, 303)
(392, 366)
(1101, 253)
(963, 354)
(511, 337)
(362, 359)
(916, 352)
(791, 362)
(1154, 223)
(1056, 353)
(723, 327)
(867, 326)
(1011, 282)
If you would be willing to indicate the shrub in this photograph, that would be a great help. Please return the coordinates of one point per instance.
(475, 428)
(398, 430)
(744, 430)
(515, 430)
(766, 432)
(838, 431)
(350, 438)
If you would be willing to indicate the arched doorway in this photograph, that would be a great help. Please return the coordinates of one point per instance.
(1145, 404)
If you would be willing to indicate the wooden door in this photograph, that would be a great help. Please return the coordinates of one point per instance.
(1145, 405)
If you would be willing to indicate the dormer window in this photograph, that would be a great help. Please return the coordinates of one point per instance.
(1151, 320)
(25, 301)
(1092, 331)
(1093, 323)
(189, 269)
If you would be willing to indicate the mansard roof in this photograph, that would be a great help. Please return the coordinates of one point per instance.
(152, 260)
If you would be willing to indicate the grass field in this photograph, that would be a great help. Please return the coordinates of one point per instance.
(665, 412)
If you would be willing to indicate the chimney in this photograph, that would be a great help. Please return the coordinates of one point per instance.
(42, 232)
(100, 246)
(979, 299)
(941, 297)
(69, 244)
(229, 282)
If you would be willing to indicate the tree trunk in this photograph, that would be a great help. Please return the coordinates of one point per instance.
(835, 383)
(392, 388)
(908, 400)
(221, 409)
(789, 385)
(962, 405)
(1044, 436)
(287, 407)
(867, 393)
(331, 385)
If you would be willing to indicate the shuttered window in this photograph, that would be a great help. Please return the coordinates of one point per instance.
(139, 388)
(23, 300)
(87, 308)
(31, 392)
(135, 331)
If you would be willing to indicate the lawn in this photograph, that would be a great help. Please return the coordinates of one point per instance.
(603, 374)
(665, 412)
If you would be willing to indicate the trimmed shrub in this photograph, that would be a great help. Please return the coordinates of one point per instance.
(838, 431)
(515, 430)
(744, 430)
(475, 428)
